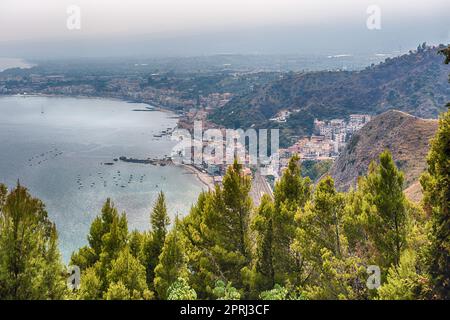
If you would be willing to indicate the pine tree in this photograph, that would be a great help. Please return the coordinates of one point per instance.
(130, 273)
(172, 263)
(199, 246)
(135, 244)
(30, 265)
(154, 242)
(113, 243)
(291, 193)
(436, 185)
(101, 225)
(403, 281)
(117, 291)
(108, 236)
(337, 278)
(53, 283)
(234, 206)
(330, 271)
(180, 290)
(90, 288)
(226, 292)
(227, 217)
(262, 275)
(99, 234)
(216, 233)
(159, 220)
(320, 223)
(387, 224)
(292, 190)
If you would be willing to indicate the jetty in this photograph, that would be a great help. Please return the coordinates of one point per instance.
(156, 162)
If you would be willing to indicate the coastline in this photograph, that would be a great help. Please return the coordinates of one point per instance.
(7, 63)
(155, 106)
(202, 177)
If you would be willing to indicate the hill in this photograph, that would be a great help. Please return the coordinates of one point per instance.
(415, 83)
(407, 137)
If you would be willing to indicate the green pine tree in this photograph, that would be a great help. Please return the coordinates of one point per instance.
(262, 275)
(90, 288)
(99, 233)
(436, 185)
(217, 234)
(226, 292)
(108, 236)
(320, 223)
(130, 273)
(180, 290)
(331, 271)
(388, 222)
(30, 265)
(172, 263)
(234, 207)
(403, 281)
(227, 219)
(154, 242)
(199, 246)
(291, 194)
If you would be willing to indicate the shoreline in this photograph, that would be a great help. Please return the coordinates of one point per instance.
(80, 96)
(201, 176)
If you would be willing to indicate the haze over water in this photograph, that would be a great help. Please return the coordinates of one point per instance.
(57, 148)
(8, 63)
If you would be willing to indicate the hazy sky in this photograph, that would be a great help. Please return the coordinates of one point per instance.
(28, 22)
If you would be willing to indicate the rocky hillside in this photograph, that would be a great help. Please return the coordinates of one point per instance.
(406, 136)
(415, 83)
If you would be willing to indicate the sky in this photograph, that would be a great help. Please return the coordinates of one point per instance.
(196, 27)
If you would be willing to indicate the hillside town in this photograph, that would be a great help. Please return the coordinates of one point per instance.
(329, 139)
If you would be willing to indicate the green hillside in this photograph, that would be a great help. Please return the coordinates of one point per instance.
(415, 83)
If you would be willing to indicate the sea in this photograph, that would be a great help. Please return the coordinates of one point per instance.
(64, 149)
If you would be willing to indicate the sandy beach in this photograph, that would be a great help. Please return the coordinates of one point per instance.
(203, 177)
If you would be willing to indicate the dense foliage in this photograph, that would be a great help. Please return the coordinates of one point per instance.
(306, 243)
(309, 242)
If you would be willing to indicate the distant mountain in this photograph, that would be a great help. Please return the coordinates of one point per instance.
(416, 83)
(408, 139)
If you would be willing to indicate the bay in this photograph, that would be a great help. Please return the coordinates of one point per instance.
(57, 147)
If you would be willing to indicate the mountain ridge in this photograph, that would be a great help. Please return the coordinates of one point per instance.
(415, 83)
(406, 136)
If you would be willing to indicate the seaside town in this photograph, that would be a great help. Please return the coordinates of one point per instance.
(131, 88)
(329, 139)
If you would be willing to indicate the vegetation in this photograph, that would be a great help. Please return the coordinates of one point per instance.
(307, 243)
(30, 266)
(421, 91)
(304, 244)
(315, 169)
(436, 184)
